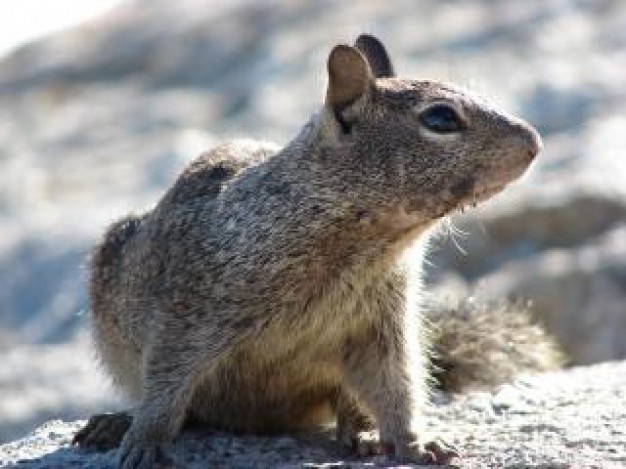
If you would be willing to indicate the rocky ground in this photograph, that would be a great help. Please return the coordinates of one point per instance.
(98, 120)
(569, 419)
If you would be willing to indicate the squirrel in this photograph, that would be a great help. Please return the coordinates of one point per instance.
(272, 288)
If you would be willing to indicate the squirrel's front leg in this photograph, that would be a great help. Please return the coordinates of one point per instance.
(174, 364)
(386, 368)
(159, 416)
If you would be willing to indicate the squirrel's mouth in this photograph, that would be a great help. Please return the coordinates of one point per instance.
(456, 198)
(470, 200)
(465, 194)
(479, 196)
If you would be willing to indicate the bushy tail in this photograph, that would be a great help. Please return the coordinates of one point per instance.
(482, 344)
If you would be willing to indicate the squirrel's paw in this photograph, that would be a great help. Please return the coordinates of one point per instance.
(436, 451)
(135, 453)
(364, 443)
(103, 431)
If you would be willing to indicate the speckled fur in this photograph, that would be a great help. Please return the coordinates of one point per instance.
(270, 285)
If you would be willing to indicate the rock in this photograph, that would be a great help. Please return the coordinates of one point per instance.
(563, 419)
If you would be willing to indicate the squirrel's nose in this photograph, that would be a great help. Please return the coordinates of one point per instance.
(529, 139)
(535, 145)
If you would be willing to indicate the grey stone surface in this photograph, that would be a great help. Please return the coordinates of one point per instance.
(568, 419)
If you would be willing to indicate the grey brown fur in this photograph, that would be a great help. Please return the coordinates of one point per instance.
(479, 344)
(272, 288)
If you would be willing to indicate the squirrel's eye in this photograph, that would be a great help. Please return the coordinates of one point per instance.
(442, 119)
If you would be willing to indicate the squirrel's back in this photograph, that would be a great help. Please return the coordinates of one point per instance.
(124, 261)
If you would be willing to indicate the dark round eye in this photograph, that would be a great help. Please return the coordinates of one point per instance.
(442, 119)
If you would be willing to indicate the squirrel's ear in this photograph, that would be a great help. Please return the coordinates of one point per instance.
(376, 55)
(349, 76)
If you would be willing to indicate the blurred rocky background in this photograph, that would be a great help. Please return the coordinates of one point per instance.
(98, 119)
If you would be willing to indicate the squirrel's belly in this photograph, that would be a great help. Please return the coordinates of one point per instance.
(249, 395)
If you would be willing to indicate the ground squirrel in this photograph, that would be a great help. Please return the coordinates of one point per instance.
(269, 284)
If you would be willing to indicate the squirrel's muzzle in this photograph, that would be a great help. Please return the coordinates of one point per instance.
(528, 140)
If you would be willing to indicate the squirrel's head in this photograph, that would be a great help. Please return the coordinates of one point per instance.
(424, 147)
